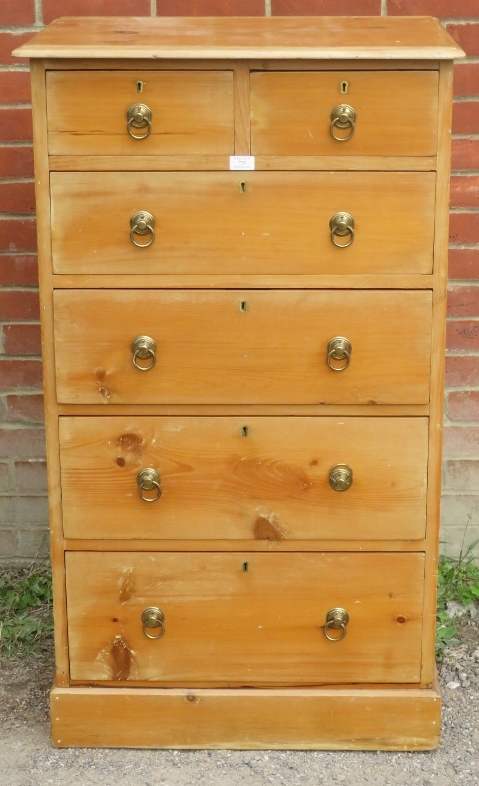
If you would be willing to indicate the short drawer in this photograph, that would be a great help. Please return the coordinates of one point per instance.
(191, 112)
(230, 347)
(396, 113)
(243, 222)
(266, 478)
(243, 619)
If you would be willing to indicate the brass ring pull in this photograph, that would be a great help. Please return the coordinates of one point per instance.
(153, 617)
(341, 477)
(343, 116)
(142, 223)
(341, 225)
(144, 348)
(139, 116)
(336, 619)
(339, 348)
(149, 480)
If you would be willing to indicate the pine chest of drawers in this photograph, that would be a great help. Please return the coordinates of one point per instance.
(242, 238)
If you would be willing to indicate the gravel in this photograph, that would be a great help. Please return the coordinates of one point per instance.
(27, 758)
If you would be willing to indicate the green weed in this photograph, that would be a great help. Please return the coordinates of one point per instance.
(26, 623)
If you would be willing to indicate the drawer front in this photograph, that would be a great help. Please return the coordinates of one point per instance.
(218, 481)
(205, 223)
(396, 113)
(229, 347)
(244, 619)
(191, 112)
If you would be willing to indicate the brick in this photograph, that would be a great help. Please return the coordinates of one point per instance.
(33, 544)
(9, 42)
(462, 371)
(4, 477)
(444, 9)
(16, 374)
(463, 405)
(8, 545)
(464, 228)
(462, 474)
(18, 234)
(461, 441)
(20, 270)
(16, 125)
(465, 191)
(463, 301)
(210, 8)
(21, 339)
(467, 36)
(465, 154)
(16, 162)
(30, 476)
(326, 7)
(464, 263)
(25, 409)
(17, 198)
(462, 334)
(6, 510)
(22, 443)
(19, 304)
(14, 87)
(465, 117)
(31, 510)
(455, 524)
(52, 9)
(466, 79)
(19, 12)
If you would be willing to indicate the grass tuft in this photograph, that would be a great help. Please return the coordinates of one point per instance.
(26, 621)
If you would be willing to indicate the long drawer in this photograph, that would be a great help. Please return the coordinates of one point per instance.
(243, 222)
(244, 619)
(242, 347)
(264, 478)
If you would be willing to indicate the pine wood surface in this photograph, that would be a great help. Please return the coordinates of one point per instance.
(146, 545)
(206, 224)
(217, 483)
(192, 112)
(209, 351)
(244, 37)
(396, 113)
(227, 625)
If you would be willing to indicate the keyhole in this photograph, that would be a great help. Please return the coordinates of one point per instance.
(139, 86)
(242, 186)
(245, 567)
(344, 87)
(244, 431)
(243, 305)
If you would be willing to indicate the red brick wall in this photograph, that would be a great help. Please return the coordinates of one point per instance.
(23, 533)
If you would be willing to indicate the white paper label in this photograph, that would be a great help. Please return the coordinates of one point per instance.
(241, 163)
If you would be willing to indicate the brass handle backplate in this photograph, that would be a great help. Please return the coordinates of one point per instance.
(343, 116)
(139, 116)
(149, 480)
(342, 225)
(142, 223)
(144, 348)
(340, 477)
(339, 349)
(336, 619)
(154, 618)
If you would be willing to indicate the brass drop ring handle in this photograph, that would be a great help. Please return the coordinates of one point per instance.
(340, 477)
(336, 619)
(339, 348)
(142, 223)
(343, 116)
(153, 617)
(139, 116)
(341, 225)
(144, 348)
(149, 480)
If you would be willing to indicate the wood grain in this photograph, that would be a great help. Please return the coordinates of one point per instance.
(192, 112)
(396, 113)
(218, 483)
(205, 224)
(244, 619)
(209, 351)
